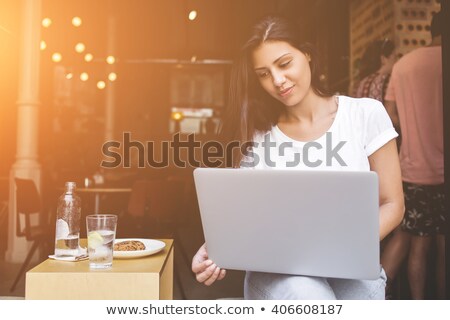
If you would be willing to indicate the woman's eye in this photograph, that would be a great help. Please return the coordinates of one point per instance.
(263, 74)
(285, 64)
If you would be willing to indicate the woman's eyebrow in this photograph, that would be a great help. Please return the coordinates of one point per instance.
(276, 60)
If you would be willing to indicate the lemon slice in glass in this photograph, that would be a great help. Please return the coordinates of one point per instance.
(95, 239)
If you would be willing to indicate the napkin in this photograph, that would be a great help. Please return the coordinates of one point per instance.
(82, 255)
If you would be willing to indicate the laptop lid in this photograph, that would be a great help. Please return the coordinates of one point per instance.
(316, 223)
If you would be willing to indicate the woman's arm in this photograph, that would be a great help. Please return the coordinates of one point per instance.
(385, 163)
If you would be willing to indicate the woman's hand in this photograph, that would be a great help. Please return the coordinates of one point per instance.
(205, 270)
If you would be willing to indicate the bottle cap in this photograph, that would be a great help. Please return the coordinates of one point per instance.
(70, 186)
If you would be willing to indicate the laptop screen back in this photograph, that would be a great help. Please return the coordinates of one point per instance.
(316, 223)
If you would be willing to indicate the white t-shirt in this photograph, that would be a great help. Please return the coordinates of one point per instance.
(360, 128)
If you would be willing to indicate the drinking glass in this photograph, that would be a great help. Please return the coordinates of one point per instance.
(101, 232)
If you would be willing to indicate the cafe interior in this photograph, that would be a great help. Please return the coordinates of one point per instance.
(78, 77)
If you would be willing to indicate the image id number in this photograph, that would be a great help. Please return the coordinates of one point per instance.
(307, 309)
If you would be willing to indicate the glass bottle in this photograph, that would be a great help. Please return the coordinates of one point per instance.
(67, 235)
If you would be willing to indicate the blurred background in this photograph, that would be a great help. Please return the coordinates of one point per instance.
(152, 69)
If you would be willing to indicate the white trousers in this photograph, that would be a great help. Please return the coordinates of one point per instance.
(273, 286)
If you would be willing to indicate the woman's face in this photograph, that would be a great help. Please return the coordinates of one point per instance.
(283, 71)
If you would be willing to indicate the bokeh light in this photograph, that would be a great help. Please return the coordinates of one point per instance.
(56, 57)
(177, 116)
(76, 21)
(80, 47)
(46, 22)
(84, 76)
(192, 15)
(110, 60)
(101, 85)
(88, 57)
(112, 76)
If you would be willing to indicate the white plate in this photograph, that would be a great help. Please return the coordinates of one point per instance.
(151, 247)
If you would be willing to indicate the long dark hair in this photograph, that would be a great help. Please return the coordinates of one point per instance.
(371, 59)
(250, 108)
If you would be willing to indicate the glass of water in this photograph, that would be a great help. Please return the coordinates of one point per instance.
(101, 232)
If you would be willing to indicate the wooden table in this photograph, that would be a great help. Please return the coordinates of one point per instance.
(146, 278)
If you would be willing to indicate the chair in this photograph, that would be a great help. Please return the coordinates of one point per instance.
(152, 213)
(28, 203)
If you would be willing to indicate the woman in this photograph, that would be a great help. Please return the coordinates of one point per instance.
(376, 69)
(275, 91)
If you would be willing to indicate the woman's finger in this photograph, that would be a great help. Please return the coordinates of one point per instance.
(213, 277)
(222, 274)
(206, 274)
(199, 266)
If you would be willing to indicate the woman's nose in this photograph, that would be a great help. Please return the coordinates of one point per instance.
(278, 79)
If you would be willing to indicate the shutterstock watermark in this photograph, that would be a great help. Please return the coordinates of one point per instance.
(183, 152)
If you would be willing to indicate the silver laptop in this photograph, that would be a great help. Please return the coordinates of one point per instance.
(315, 223)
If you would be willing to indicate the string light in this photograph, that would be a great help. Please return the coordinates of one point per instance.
(112, 76)
(88, 57)
(80, 47)
(56, 57)
(76, 21)
(84, 76)
(192, 15)
(46, 22)
(110, 60)
(101, 85)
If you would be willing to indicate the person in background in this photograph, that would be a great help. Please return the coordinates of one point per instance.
(380, 57)
(414, 100)
(376, 68)
(276, 93)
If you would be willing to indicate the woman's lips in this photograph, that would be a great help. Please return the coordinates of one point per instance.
(286, 92)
